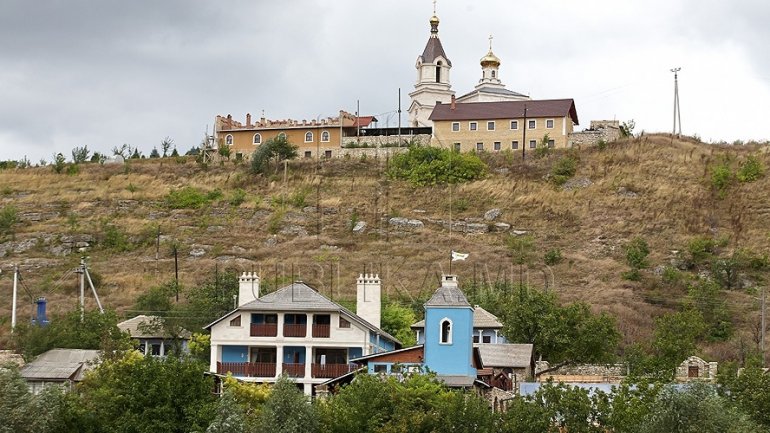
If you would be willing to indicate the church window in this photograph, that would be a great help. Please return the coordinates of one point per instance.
(497, 146)
(514, 144)
(532, 144)
(493, 74)
(479, 146)
(514, 124)
(455, 126)
(446, 331)
(325, 136)
(549, 123)
(308, 137)
(473, 126)
(257, 139)
(229, 139)
(551, 143)
(491, 125)
(532, 124)
(438, 73)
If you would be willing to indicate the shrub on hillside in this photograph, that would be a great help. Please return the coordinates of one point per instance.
(425, 165)
(190, 198)
(563, 169)
(750, 170)
(721, 177)
(277, 149)
(8, 217)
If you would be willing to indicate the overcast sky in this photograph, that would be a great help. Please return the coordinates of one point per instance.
(102, 73)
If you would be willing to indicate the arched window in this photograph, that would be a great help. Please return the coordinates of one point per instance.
(325, 136)
(257, 139)
(438, 72)
(229, 139)
(446, 331)
(308, 137)
(282, 136)
(493, 74)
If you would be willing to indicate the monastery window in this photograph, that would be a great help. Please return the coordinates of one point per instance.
(532, 124)
(475, 339)
(473, 126)
(282, 136)
(229, 139)
(497, 146)
(344, 323)
(514, 124)
(486, 339)
(446, 331)
(308, 154)
(455, 126)
(327, 154)
(308, 137)
(551, 143)
(549, 123)
(236, 321)
(491, 125)
(457, 147)
(514, 144)
(532, 144)
(493, 74)
(325, 136)
(257, 139)
(479, 146)
(438, 72)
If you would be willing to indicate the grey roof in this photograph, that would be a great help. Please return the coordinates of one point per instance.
(505, 110)
(493, 90)
(460, 381)
(433, 50)
(60, 364)
(300, 297)
(143, 326)
(448, 296)
(481, 319)
(505, 355)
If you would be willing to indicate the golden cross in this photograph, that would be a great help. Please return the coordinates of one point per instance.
(490, 42)
(434, 7)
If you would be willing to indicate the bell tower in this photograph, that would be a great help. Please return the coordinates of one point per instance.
(432, 84)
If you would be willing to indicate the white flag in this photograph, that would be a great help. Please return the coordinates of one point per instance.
(458, 256)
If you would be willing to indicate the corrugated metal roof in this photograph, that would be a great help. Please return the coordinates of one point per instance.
(492, 90)
(143, 326)
(60, 364)
(505, 355)
(505, 110)
(433, 50)
(481, 319)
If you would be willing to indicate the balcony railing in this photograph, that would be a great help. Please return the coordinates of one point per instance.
(320, 331)
(294, 330)
(330, 371)
(264, 329)
(294, 370)
(247, 369)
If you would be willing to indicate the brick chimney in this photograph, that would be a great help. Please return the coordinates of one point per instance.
(248, 119)
(453, 105)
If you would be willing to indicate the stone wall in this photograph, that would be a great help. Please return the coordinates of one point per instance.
(383, 140)
(705, 370)
(606, 130)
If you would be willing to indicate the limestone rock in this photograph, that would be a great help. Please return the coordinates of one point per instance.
(359, 227)
(519, 232)
(492, 214)
(501, 227)
(625, 192)
(405, 223)
(476, 228)
(577, 183)
(294, 230)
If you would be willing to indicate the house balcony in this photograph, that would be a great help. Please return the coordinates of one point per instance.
(264, 330)
(295, 330)
(321, 331)
(294, 370)
(330, 371)
(247, 369)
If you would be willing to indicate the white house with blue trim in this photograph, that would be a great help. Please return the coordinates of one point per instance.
(298, 332)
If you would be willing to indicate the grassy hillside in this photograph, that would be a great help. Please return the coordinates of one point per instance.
(298, 223)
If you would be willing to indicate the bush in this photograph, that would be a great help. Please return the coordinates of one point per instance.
(190, 198)
(750, 170)
(563, 169)
(58, 163)
(425, 165)
(636, 256)
(9, 216)
(115, 239)
(552, 257)
(703, 248)
(298, 198)
(238, 197)
(721, 177)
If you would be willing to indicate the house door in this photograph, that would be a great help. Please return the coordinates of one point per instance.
(692, 371)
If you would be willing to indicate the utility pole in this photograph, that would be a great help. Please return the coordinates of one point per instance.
(524, 138)
(762, 324)
(15, 292)
(677, 110)
(399, 117)
(82, 272)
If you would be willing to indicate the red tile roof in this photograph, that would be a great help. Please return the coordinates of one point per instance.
(505, 110)
(365, 121)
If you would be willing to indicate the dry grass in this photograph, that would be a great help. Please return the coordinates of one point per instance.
(589, 225)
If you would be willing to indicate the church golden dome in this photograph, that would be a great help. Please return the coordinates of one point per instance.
(434, 20)
(490, 60)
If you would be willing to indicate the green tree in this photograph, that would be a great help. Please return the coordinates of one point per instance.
(278, 149)
(749, 391)
(229, 416)
(706, 297)
(9, 216)
(428, 165)
(560, 335)
(14, 401)
(59, 162)
(636, 256)
(147, 394)
(288, 410)
(80, 154)
(154, 153)
(397, 321)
